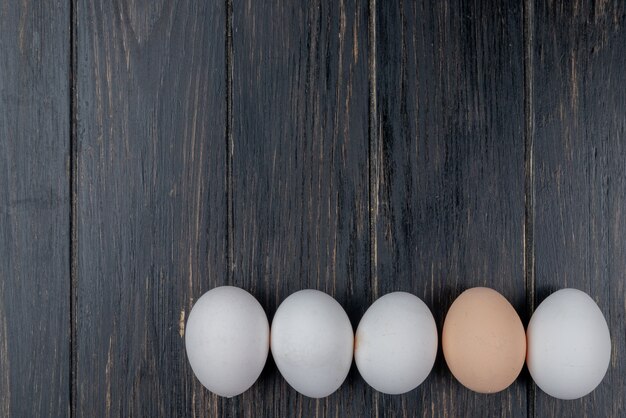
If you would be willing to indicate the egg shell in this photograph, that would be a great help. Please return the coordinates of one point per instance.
(312, 342)
(483, 340)
(569, 345)
(227, 340)
(396, 343)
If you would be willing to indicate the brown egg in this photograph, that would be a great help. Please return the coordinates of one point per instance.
(483, 340)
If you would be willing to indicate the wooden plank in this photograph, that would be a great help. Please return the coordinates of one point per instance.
(300, 174)
(450, 152)
(579, 101)
(34, 208)
(151, 203)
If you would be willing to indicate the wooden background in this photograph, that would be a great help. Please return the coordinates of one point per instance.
(152, 149)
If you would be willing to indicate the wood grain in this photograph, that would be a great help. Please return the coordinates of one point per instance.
(300, 174)
(34, 208)
(450, 151)
(152, 150)
(151, 200)
(579, 118)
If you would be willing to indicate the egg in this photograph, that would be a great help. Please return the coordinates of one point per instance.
(312, 342)
(396, 343)
(483, 340)
(227, 340)
(569, 345)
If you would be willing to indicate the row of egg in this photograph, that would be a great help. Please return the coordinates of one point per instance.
(567, 344)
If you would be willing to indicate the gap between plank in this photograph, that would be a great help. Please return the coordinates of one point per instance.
(73, 184)
(373, 152)
(230, 260)
(374, 158)
(230, 253)
(529, 184)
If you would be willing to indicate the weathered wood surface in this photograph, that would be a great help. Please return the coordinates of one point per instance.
(300, 173)
(579, 175)
(34, 208)
(152, 150)
(151, 200)
(450, 180)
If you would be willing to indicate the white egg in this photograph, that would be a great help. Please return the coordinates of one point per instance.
(227, 340)
(312, 342)
(396, 343)
(569, 346)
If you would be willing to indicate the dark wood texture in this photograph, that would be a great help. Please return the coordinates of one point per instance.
(300, 167)
(579, 169)
(450, 150)
(152, 150)
(34, 209)
(151, 200)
